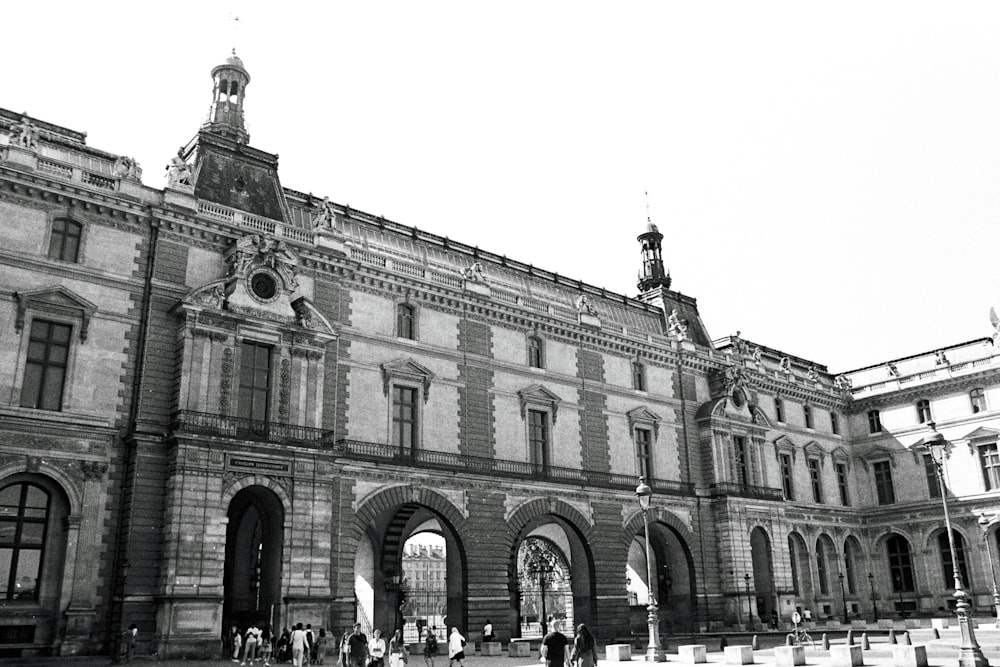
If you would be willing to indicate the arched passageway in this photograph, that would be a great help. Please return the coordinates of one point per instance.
(763, 574)
(674, 580)
(252, 579)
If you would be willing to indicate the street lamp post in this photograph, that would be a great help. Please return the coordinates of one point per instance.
(985, 523)
(843, 597)
(654, 652)
(969, 654)
(871, 583)
(746, 578)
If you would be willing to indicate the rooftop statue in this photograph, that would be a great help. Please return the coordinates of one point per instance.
(24, 134)
(676, 327)
(178, 171)
(127, 167)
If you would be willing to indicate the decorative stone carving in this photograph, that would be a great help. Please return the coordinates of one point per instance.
(786, 365)
(265, 250)
(179, 174)
(284, 390)
(755, 354)
(57, 300)
(842, 383)
(995, 321)
(225, 382)
(940, 358)
(34, 463)
(584, 306)
(24, 134)
(93, 470)
(677, 327)
(325, 216)
(813, 374)
(474, 273)
(127, 167)
(893, 371)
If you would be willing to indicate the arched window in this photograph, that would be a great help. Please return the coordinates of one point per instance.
(822, 571)
(945, 549)
(793, 558)
(405, 321)
(900, 564)
(24, 516)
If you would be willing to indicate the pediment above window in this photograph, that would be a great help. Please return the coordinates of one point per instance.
(57, 301)
(875, 454)
(784, 445)
(409, 371)
(982, 436)
(813, 450)
(840, 455)
(643, 416)
(537, 395)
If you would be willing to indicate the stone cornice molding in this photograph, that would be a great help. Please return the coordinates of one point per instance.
(643, 416)
(36, 184)
(409, 370)
(56, 300)
(934, 389)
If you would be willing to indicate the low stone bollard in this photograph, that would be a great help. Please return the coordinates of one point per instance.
(693, 653)
(913, 623)
(859, 625)
(939, 623)
(845, 656)
(490, 648)
(519, 648)
(739, 654)
(865, 644)
(618, 652)
(885, 624)
(909, 656)
(789, 656)
(906, 638)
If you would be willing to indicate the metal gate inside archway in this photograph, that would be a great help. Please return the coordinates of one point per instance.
(544, 587)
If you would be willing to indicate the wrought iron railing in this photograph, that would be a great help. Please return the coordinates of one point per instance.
(250, 429)
(203, 423)
(746, 491)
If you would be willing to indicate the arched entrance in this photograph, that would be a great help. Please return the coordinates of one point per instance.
(252, 579)
(549, 555)
(674, 581)
(798, 555)
(763, 574)
(420, 576)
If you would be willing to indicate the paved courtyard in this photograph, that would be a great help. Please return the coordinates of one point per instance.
(940, 651)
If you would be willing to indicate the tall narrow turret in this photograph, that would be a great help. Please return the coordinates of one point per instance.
(653, 274)
(225, 117)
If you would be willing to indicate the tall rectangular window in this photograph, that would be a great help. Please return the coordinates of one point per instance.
(816, 480)
(977, 399)
(779, 410)
(644, 463)
(930, 472)
(404, 418)
(638, 376)
(64, 242)
(874, 422)
(785, 461)
(845, 498)
(834, 423)
(538, 437)
(405, 322)
(45, 365)
(821, 570)
(923, 411)
(536, 358)
(989, 459)
(742, 460)
(883, 483)
(807, 411)
(255, 381)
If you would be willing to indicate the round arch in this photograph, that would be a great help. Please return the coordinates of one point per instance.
(67, 485)
(799, 558)
(762, 562)
(575, 532)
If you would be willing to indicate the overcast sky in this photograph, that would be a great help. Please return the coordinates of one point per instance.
(825, 174)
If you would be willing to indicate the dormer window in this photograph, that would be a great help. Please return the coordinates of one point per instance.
(807, 411)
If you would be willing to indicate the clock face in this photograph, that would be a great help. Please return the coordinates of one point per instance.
(263, 286)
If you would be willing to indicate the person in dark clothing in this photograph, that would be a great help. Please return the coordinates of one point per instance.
(554, 649)
(357, 647)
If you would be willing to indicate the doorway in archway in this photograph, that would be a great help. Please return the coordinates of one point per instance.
(763, 574)
(425, 584)
(252, 576)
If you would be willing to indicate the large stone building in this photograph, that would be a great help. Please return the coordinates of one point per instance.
(225, 401)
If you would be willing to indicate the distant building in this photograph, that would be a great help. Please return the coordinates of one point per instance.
(224, 401)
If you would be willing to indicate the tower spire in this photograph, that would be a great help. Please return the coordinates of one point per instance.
(653, 275)
(229, 83)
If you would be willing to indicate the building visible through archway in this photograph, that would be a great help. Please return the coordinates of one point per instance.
(252, 580)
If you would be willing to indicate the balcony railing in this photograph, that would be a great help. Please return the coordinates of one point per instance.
(202, 423)
(746, 491)
(250, 429)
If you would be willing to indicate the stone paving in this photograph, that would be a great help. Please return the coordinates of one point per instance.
(940, 652)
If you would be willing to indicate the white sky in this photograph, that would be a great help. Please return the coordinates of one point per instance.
(825, 174)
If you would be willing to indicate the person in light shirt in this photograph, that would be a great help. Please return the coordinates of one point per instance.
(299, 645)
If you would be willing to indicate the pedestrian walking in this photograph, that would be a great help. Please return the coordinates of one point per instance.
(553, 649)
(456, 648)
(377, 649)
(250, 644)
(299, 645)
(584, 652)
(237, 644)
(357, 647)
(130, 637)
(398, 653)
(430, 647)
(321, 642)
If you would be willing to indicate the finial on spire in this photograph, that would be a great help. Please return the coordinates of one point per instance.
(648, 219)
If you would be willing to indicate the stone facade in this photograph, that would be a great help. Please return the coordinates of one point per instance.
(238, 402)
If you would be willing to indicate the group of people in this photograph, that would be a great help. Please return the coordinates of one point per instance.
(301, 646)
(582, 654)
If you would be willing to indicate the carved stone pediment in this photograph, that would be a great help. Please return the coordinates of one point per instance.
(538, 395)
(263, 250)
(55, 300)
(812, 449)
(643, 416)
(407, 370)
